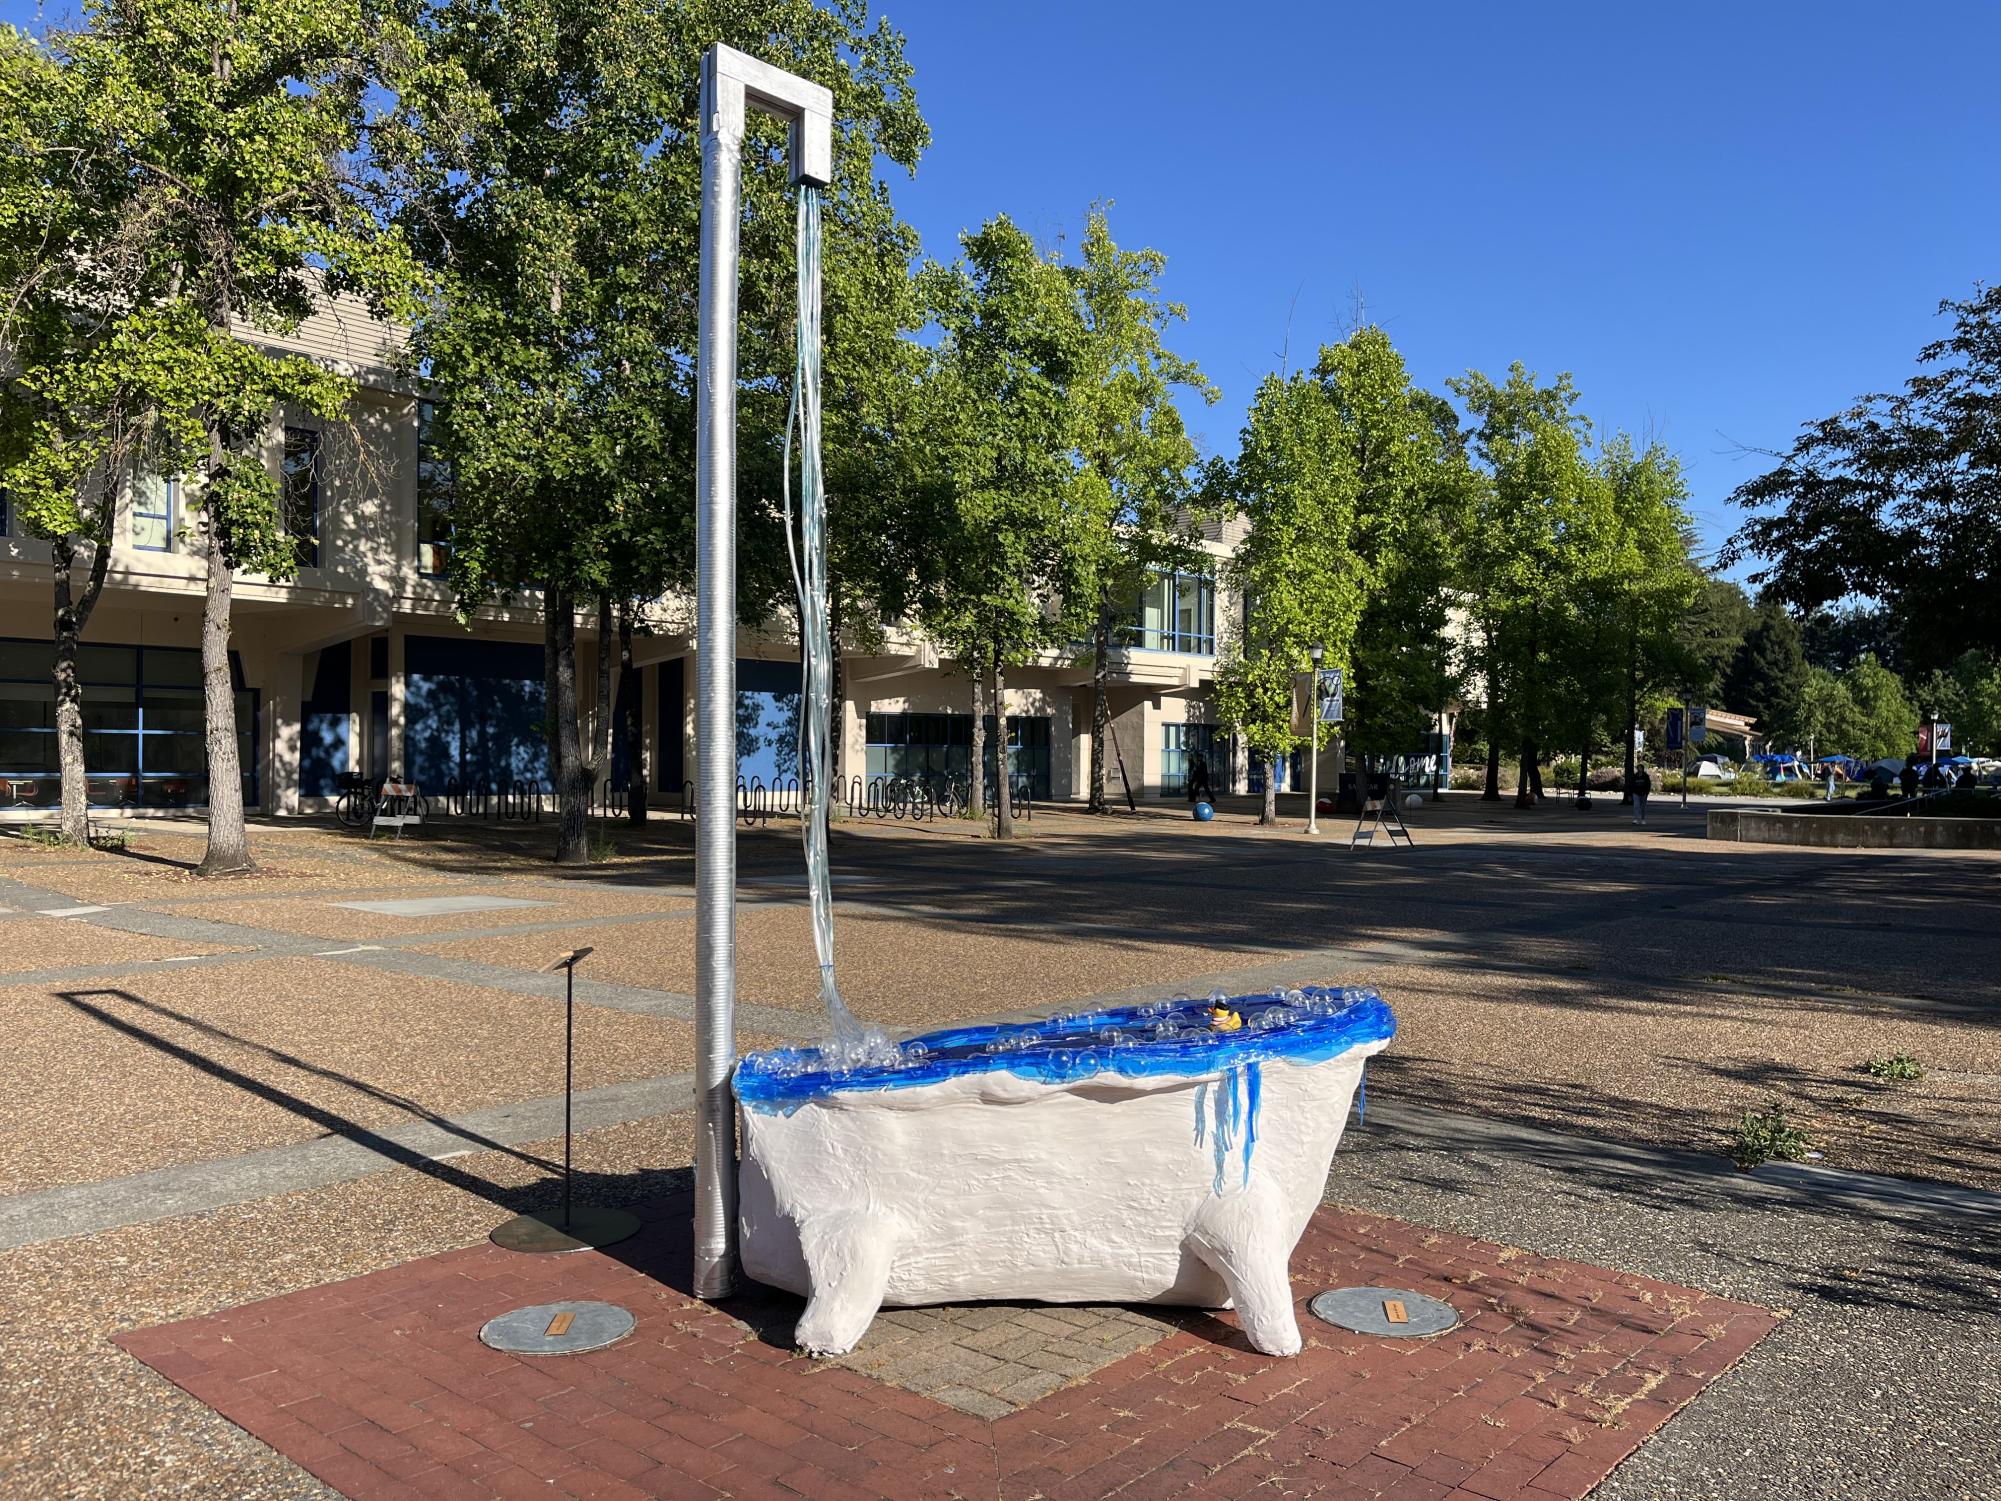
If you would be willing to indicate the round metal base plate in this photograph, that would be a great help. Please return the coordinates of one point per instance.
(1391, 1311)
(558, 1328)
(590, 1226)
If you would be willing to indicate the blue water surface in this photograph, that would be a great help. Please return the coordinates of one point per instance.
(1168, 1038)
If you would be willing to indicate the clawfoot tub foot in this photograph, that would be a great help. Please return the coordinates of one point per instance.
(848, 1256)
(1242, 1240)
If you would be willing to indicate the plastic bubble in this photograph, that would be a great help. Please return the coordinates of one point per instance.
(915, 1052)
(1218, 997)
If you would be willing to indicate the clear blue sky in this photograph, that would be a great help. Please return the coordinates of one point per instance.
(1725, 220)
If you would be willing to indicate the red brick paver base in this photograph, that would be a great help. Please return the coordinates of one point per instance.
(381, 1388)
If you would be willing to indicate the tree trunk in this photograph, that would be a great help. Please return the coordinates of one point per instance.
(978, 799)
(1492, 793)
(551, 649)
(1632, 712)
(228, 841)
(601, 718)
(1101, 706)
(837, 727)
(635, 720)
(72, 614)
(1269, 813)
(1531, 773)
(1003, 779)
(574, 778)
(1584, 772)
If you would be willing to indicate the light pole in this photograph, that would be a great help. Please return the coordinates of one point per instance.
(732, 82)
(1316, 651)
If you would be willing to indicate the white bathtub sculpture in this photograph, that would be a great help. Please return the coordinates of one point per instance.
(1135, 1155)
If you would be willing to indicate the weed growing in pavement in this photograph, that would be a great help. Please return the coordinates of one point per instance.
(1899, 1067)
(603, 849)
(1768, 1137)
(50, 837)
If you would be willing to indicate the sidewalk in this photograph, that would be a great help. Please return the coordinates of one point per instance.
(381, 1388)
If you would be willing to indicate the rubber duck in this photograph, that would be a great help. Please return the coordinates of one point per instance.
(1223, 1019)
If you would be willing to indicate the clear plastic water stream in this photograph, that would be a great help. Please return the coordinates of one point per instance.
(851, 1043)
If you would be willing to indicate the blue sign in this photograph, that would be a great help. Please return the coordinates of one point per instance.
(1674, 732)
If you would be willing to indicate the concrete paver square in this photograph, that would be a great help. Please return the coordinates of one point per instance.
(903, 970)
(440, 906)
(183, 1064)
(380, 1386)
(44, 942)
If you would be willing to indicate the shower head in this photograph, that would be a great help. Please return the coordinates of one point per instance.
(732, 79)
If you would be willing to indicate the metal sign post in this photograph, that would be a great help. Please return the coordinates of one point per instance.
(1316, 652)
(732, 82)
(568, 1228)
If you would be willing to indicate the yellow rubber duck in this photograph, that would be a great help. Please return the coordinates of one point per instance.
(1223, 1019)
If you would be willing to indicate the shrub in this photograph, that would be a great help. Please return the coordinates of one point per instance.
(1751, 782)
(1768, 1137)
(1898, 1067)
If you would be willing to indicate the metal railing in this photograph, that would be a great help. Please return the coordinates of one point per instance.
(506, 800)
(902, 799)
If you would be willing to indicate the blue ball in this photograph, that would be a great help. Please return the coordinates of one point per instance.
(1204, 812)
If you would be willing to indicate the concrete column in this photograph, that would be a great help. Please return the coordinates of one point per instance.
(398, 728)
(1063, 773)
(284, 702)
(691, 752)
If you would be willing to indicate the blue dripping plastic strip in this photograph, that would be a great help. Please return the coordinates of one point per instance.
(1253, 1085)
(1072, 1050)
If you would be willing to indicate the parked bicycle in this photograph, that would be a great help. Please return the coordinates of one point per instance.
(360, 800)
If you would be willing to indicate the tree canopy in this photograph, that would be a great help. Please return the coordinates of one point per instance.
(1897, 499)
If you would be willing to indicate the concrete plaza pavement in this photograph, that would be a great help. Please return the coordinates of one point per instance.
(394, 1076)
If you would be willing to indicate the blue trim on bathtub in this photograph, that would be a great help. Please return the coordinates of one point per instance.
(1070, 1050)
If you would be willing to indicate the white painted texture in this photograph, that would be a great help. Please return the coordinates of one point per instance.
(993, 1186)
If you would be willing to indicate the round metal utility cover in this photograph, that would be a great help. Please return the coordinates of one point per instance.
(589, 1226)
(558, 1328)
(1393, 1311)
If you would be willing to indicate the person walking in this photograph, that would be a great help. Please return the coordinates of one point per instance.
(1199, 790)
(1643, 786)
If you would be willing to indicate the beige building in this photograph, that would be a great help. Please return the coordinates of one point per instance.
(360, 667)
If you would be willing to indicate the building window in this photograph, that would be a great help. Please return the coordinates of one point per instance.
(154, 502)
(1183, 747)
(434, 497)
(1176, 612)
(299, 492)
(143, 727)
(936, 748)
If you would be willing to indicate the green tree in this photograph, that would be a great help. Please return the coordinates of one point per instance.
(1898, 498)
(1302, 582)
(1654, 581)
(1768, 673)
(1836, 638)
(552, 169)
(1827, 721)
(187, 172)
(1412, 487)
(1132, 445)
(1540, 545)
(1967, 696)
(1710, 634)
(1007, 507)
(1885, 722)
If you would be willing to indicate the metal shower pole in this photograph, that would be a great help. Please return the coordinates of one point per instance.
(731, 81)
